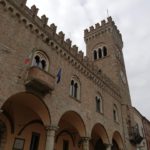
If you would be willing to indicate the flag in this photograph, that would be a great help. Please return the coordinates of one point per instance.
(59, 75)
(28, 59)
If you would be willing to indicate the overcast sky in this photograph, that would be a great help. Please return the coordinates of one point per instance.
(133, 20)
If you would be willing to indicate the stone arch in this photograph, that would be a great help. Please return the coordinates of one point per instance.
(78, 122)
(99, 134)
(28, 116)
(29, 100)
(117, 141)
(71, 131)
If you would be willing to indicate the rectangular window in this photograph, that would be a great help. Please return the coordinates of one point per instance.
(114, 114)
(35, 141)
(98, 103)
(65, 145)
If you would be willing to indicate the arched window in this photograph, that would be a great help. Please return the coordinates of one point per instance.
(100, 53)
(115, 113)
(99, 104)
(40, 60)
(104, 51)
(95, 54)
(75, 88)
(72, 88)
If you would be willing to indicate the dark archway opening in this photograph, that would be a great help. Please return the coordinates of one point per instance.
(99, 145)
(114, 146)
(2, 135)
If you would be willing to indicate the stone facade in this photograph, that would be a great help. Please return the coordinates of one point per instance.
(54, 97)
(140, 127)
(146, 125)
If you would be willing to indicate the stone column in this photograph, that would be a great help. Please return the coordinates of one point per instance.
(108, 146)
(50, 137)
(85, 143)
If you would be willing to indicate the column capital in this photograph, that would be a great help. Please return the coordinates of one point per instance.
(51, 128)
(84, 139)
(85, 142)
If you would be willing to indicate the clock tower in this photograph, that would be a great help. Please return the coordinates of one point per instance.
(104, 47)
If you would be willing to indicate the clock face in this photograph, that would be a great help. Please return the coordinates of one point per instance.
(123, 77)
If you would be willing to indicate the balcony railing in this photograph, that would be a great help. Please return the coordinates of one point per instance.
(39, 81)
(134, 135)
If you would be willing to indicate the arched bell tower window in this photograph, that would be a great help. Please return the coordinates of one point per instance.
(95, 54)
(104, 51)
(40, 60)
(100, 52)
(75, 88)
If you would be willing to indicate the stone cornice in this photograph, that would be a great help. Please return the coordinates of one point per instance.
(69, 52)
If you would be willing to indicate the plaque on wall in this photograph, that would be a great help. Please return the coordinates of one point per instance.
(18, 144)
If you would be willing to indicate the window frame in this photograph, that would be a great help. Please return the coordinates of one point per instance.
(115, 113)
(100, 52)
(99, 104)
(42, 55)
(75, 94)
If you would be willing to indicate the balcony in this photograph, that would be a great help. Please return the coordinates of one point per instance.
(134, 135)
(39, 81)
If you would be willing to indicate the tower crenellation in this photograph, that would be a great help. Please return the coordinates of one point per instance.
(102, 29)
(34, 10)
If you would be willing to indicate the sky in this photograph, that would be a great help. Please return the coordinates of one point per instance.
(133, 20)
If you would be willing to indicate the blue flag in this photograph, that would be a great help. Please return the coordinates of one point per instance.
(59, 75)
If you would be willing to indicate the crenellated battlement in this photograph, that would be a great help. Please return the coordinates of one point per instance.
(99, 26)
(102, 29)
(48, 33)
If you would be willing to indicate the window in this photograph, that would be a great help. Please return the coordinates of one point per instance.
(99, 53)
(95, 54)
(115, 113)
(40, 60)
(34, 141)
(75, 88)
(65, 145)
(104, 51)
(99, 104)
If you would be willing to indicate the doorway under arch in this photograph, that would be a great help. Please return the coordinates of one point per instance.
(117, 142)
(70, 133)
(28, 116)
(99, 138)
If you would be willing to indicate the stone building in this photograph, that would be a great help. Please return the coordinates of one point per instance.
(139, 126)
(52, 97)
(146, 126)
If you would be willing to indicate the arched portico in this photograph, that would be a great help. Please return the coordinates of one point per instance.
(71, 133)
(117, 142)
(27, 117)
(99, 138)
